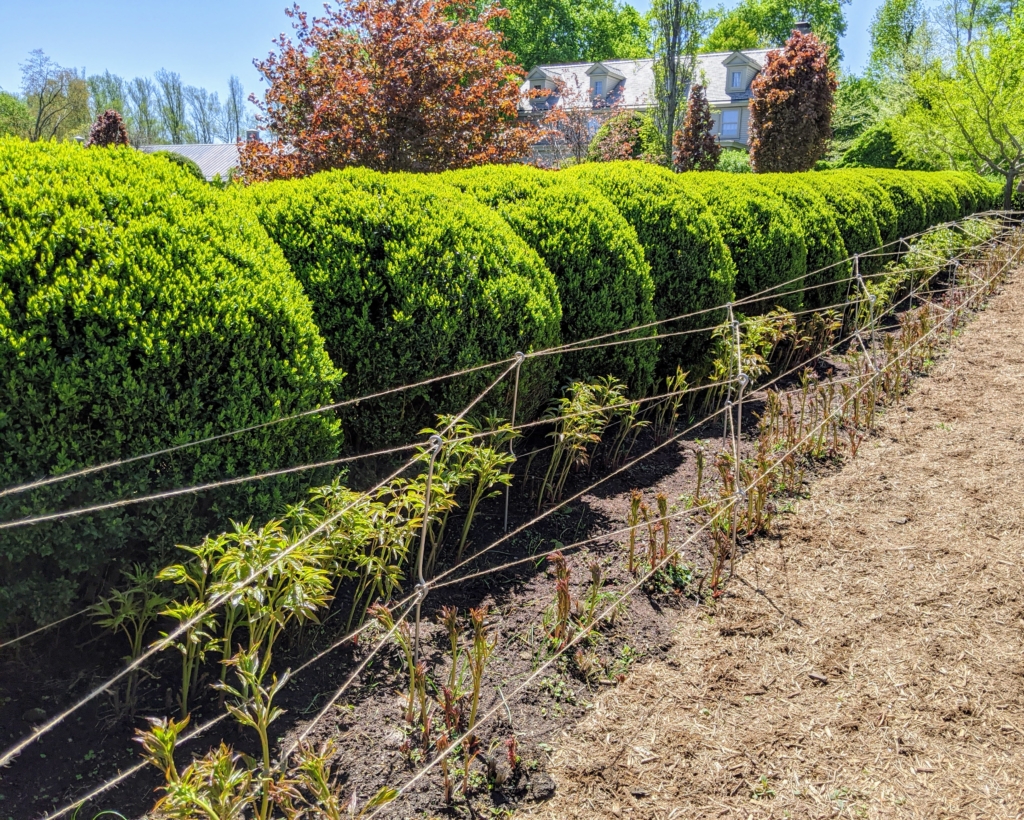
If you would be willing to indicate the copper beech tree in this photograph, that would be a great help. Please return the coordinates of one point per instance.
(791, 113)
(108, 130)
(695, 148)
(395, 85)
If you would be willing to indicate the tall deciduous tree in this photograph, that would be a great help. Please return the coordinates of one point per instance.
(791, 113)
(57, 98)
(542, 32)
(679, 27)
(172, 107)
(773, 20)
(732, 33)
(389, 84)
(144, 103)
(204, 110)
(696, 149)
(234, 111)
(972, 115)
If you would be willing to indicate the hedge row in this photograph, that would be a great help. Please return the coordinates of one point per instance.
(140, 308)
(410, 279)
(603, 279)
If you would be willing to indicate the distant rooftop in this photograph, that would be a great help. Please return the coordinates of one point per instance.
(634, 79)
(212, 159)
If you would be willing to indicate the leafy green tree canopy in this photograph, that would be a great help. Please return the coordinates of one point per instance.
(541, 32)
(14, 116)
(971, 115)
(772, 22)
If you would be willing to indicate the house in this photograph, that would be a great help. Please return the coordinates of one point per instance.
(212, 159)
(629, 85)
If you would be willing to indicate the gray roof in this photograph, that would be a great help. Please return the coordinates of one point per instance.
(211, 159)
(637, 89)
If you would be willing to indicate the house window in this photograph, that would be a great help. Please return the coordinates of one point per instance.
(737, 80)
(731, 124)
(598, 88)
(538, 86)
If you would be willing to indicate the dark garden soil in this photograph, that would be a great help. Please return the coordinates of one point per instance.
(40, 677)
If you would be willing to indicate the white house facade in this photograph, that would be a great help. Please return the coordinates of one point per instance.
(629, 85)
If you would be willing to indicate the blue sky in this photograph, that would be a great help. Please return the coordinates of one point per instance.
(206, 41)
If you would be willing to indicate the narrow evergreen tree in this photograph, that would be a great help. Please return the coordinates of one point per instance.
(108, 130)
(791, 113)
(694, 148)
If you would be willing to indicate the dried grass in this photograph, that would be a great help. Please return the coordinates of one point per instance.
(868, 661)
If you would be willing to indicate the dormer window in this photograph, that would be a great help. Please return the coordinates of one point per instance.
(598, 88)
(538, 86)
(736, 79)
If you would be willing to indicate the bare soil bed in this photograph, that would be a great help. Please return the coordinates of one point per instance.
(867, 661)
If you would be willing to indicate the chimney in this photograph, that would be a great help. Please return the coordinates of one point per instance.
(803, 27)
(252, 136)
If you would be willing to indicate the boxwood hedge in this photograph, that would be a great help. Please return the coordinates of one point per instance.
(604, 281)
(763, 234)
(690, 263)
(855, 218)
(139, 310)
(826, 254)
(911, 213)
(882, 205)
(411, 279)
(941, 202)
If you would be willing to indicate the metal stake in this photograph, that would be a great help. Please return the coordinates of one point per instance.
(520, 357)
(737, 428)
(727, 417)
(421, 587)
(871, 299)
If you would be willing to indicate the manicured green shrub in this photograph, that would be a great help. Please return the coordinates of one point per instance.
(410, 278)
(188, 165)
(882, 205)
(763, 233)
(911, 213)
(974, 193)
(604, 281)
(826, 253)
(139, 310)
(734, 162)
(941, 202)
(855, 218)
(690, 263)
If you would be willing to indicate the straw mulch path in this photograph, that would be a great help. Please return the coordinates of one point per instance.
(867, 662)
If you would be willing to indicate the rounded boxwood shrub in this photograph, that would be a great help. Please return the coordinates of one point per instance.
(881, 203)
(762, 232)
(188, 165)
(826, 253)
(975, 194)
(855, 218)
(409, 279)
(140, 310)
(690, 263)
(941, 202)
(604, 281)
(911, 214)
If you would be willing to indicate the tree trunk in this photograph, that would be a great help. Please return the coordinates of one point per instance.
(1008, 191)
